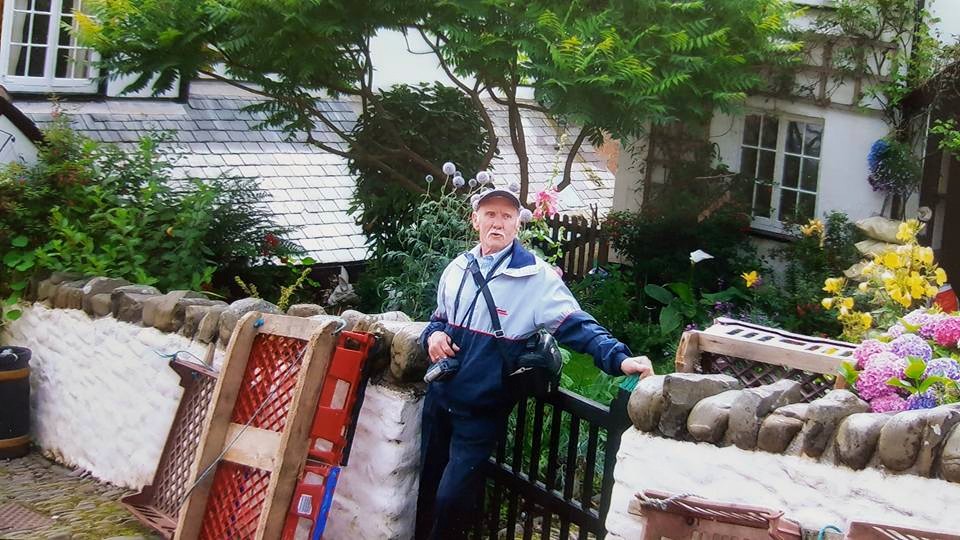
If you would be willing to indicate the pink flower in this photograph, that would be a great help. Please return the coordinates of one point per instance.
(888, 403)
(546, 202)
(872, 382)
(946, 332)
(867, 349)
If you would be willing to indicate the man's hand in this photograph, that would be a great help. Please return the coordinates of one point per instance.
(636, 364)
(440, 345)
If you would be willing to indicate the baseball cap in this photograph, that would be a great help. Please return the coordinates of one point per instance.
(490, 193)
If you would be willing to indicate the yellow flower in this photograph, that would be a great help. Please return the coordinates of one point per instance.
(924, 255)
(917, 285)
(866, 320)
(932, 291)
(907, 232)
(940, 275)
(846, 304)
(863, 286)
(890, 259)
(813, 227)
(827, 303)
(834, 285)
(750, 278)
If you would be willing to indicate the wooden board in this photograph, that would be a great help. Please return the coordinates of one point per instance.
(767, 345)
(282, 453)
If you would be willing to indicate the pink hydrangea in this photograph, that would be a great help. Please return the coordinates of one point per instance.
(888, 403)
(946, 332)
(867, 349)
(872, 382)
(921, 318)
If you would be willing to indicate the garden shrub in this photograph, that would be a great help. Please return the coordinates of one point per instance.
(99, 209)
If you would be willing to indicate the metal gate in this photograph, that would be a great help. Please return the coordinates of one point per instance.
(552, 473)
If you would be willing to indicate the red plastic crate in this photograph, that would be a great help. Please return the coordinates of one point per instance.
(332, 422)
(307, 517)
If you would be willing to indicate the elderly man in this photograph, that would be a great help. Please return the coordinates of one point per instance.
(463, 416)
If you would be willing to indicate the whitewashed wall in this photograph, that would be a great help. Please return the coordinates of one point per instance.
(20, 149)
(103, 400)
(814, 494)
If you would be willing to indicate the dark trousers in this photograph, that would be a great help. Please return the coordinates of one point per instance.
(453, 447)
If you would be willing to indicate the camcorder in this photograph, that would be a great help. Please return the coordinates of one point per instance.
(442, 370)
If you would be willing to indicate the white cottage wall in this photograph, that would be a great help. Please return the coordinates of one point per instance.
(20, 148)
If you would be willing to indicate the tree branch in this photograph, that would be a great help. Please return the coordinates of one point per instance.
(519, 104)
(571, 156)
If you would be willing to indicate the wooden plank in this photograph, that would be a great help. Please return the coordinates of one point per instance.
(688, 352)
(295, 440)
(255, 447)
(769, 353)
(216, 423)
(292, 327)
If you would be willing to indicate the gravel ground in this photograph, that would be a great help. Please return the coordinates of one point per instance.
(61, 504)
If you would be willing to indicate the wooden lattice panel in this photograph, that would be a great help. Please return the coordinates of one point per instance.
(158, 504)
(757, 355)
(256, 434)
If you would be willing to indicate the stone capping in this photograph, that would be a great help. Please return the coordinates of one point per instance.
(836, 429)
(397, 358)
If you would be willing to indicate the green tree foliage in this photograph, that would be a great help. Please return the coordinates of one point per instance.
(437, 122)
(612, 66)
(101, 210)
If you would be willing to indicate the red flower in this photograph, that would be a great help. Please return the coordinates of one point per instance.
(271, 240)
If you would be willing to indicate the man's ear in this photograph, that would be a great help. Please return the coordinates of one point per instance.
(475, 220)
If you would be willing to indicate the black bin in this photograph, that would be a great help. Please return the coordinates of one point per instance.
(14, 401)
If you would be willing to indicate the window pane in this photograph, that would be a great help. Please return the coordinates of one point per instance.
(751, 129)
(748, 162)
(794, 138)
(62, 57)
(788, 204)
(21, 28)
(765, 167)
(811, 140)
(811, 168)
(791, 171)
(41, 29)
(771, 126)
(18, 60)
(762, 205)
(42, 5)
(67, 6)
(37, 57)
(807, 208)
(21, 4)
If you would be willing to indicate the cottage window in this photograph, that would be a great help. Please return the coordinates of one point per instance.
(783, 155)
(39, 51)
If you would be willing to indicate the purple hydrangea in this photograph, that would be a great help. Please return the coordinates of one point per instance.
(867, 349)
(943, 367)
(946, 332)
(888, 403)
(924, 320)
(895, 331)
(872, 382)
(926, 400)
(911, 345)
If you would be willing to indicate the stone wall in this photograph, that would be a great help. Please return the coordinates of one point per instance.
(103, 396)
(822, 462)
(812, 493)
(835, 429)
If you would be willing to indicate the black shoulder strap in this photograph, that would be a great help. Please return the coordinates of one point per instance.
(482, 283)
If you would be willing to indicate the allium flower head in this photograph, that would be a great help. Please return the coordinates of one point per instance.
(525, 215)
(449, 168)
(483, 177)
(428, 178)
(867, 349)
(888, 403)
(457, 182)
(911, 345)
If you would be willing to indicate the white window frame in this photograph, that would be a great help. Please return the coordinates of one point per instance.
(48, 82)
(771, 223)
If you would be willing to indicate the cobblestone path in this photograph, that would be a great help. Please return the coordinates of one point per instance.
(57, 503)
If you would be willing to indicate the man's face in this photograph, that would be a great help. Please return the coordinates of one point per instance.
(498, 221)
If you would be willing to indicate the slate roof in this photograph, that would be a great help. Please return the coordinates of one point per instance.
(309, 189)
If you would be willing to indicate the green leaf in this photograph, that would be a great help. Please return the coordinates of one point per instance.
(11, 258)
(18, 285)
(19, 241)
(915, 368)
(849, 372)
(935, 379)
(670, 320)
(682, 290)
(658, 293)
(900, 383)
(13, 314)
(308, 261)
